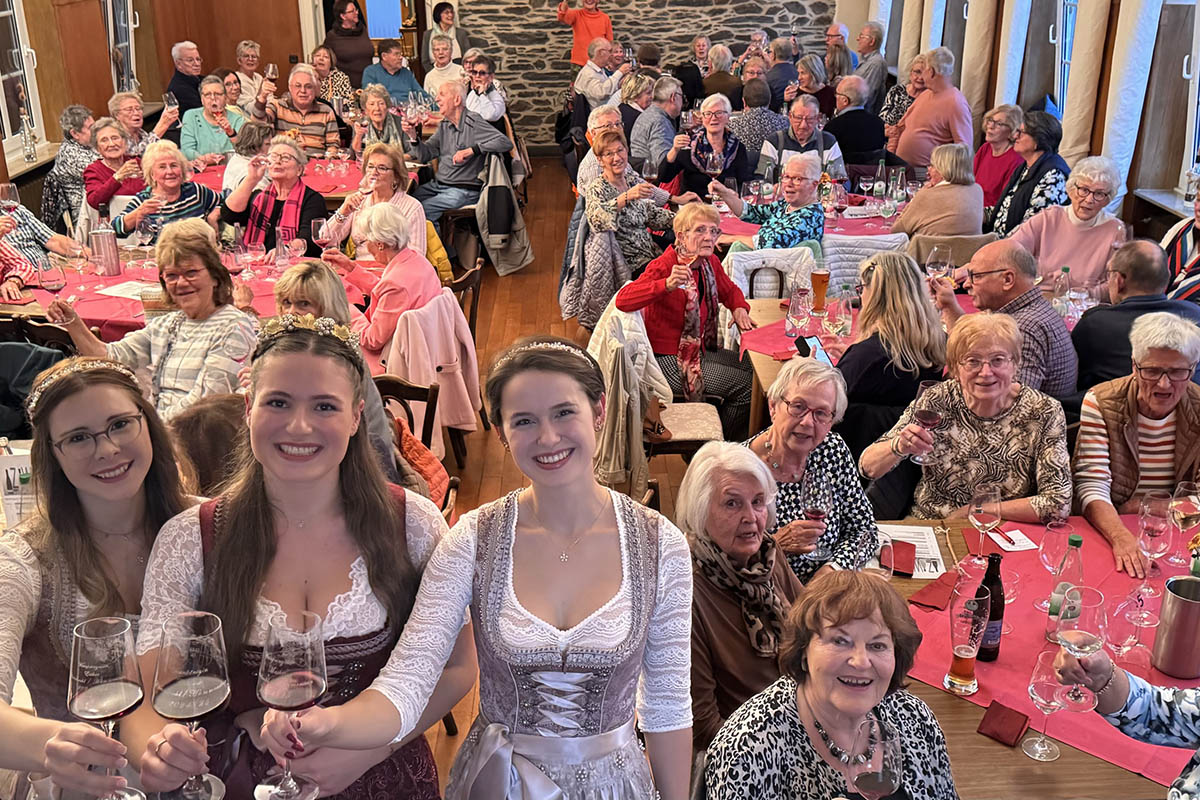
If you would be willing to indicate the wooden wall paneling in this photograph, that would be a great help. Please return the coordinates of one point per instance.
(216, 26)
(170, 26)
(84, 53)
(1161, 137)
(54, 90)
(1041, 61)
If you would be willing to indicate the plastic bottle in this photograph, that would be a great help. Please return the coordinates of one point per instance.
(1193, 182)
(1068, 575)
(1062, 292)
(900, 191)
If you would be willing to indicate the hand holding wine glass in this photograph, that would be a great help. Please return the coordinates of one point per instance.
(1081, 632)
(291, 677)
(817, 496)
(927, 417)
(876, 767)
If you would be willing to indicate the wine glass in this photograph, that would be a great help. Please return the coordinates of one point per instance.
(51, 275)
(191, 681)
(650, 171)
(984, 515)
(884, 564)
(837, 318)
(1156, 520)
(319, 233)
(1011, 580)
(911, 188)
(714, 165)
(170, 101)
(1045, 692)
(841, 201)
(1081, 632)
(927, 418)
(939, 263)
(1051, 551)
(818, 503)
(866, 185)
(148, 230)
(1185, 511)
(105, 682)
(297, 248)
(271, 72)
(291, 677)
(10, 198)
(797, 313)
(876, 767)
(1124, 630)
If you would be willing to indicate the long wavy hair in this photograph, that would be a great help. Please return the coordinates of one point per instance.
(61, 526)
(898, 308)
(245, 540)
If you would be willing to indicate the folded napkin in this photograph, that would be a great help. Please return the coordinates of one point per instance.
(936, 596)
(1004, 724)
(972, 537)
(24, 300)
(769, 340)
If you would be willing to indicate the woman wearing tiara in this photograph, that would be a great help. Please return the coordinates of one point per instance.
(306, 524)
(105, 481)
(581, 604)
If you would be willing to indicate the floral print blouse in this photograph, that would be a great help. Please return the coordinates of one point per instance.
(632, 224)
(1051, 190)
(783, 227)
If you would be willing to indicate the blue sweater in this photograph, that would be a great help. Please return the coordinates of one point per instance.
(398, 85)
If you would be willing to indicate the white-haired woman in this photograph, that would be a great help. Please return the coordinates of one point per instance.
(128, 109)
(376, 124)
(814, 469)
(116, 172)
(247, 56)
(408, 280)
(385, 181)
(940, 115)
(720, 78)
(950, 203)
(63, 190)
(1081, 235)
(689, 155)
(997, 159)
(899, 98)
(797, 216)
(208, 133)
(169, 194)
(285, 210)
(1138, 433)
(700, 47)
(742, 587)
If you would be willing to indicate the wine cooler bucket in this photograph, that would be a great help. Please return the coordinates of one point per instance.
(104, 252)
(1177, 643)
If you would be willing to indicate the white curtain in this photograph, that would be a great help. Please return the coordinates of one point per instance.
(1013, 30)
(880, 11)
(932, 24)
(911, 25)
(1087, 62)
(977, 56)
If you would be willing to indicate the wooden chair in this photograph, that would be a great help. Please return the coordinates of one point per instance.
(10, 330)
(404, 393)
(692, 425)
(469, 281)
(651, 499)
(451, 498)
(47, 334)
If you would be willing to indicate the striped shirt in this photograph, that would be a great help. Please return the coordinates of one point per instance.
(30, 236)
(195, 200)
(14, 265)
(318, 127)
(1155, 454)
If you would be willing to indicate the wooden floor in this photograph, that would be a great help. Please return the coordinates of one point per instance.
(517, 305)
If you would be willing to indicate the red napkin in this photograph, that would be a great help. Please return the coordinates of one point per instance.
(857, 199)
(24, 300)
(972, 538)
(1004, 724)
(769, 340)
(732, 226)
(936, 596)
(904, 558)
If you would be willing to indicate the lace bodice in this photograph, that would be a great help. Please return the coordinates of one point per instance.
(175, 577)
(663, 696)
(22, 582)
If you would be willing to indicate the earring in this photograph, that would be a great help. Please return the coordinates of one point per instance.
(599, 425)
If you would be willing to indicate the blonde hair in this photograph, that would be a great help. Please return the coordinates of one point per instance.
(316, 282)
(687, 217)
(157, 151)
(899, 310)
(193, 238)
(954, 162)
(1013, 115)
(973, 329)
(114, 102)
(395, 159)
(634, 86)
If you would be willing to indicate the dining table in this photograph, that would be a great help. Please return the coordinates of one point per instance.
(333, 178)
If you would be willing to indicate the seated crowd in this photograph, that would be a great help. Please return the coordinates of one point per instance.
(222, 463)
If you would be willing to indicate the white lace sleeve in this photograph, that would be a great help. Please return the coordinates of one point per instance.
(416, 663)
(20, 590)
(664, 696)
(174, 576)
(424, 527)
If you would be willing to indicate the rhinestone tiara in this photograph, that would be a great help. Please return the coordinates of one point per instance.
(76, 366)
(275, 327)
(559, 346)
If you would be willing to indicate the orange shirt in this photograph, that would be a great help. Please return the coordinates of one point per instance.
(587, 25)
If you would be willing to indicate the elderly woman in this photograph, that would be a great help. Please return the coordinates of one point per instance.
(794, 218)
(720, 80)
(334, 82)
(350, 41)
(993, 430)
(66, 176)
(839, 62)
(637, 90)
(939, 115)
(285, 210)
(810, 462)
(1082, 235)
(209, 132)
(1041, 182)
(386, 180)
(376, 124)
(443, 69)
(899, 344)
(254, 139)
(443, 25)
(117, 172)
(849, 642)
(247, 57)
(742, 588)
(813, 80)
(168, 195)
(195, 351)
(408, 280)
(699, 51)
(127, 108)
(692, 155)
(899, 98)
(1136, 432)
(997, 159)
(233, 93)
(950, 203)
(678, 296)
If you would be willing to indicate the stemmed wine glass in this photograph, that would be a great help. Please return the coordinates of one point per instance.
(105, 682)
(170, 101)
(271, 72)
(51, 275)
(1051, 551)
(1081, 632)
(841, 201)
(911, 188)
(650, 171)
(1155, 523)
(984, 515)
(714, 164)
(1045, 691)
(880, 771)
(927, 418)
(320, 234)
(296, 248)
(10, 198)
(884, 564)
(797, 313)
(1124, 628)
(291, 677)
(191, 681)
(818, 503)
(939, 263)
(1185, 511)
(1011, 580)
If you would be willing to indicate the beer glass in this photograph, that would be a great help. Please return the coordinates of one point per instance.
(969, 608)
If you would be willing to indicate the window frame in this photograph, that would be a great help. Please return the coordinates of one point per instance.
(1191, 145)
(1064, 41)
(28, 58)
(132, 23)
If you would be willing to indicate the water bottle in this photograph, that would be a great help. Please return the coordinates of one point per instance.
(900, 188)
(1068, 576)
(28, 138)
(880, 187)
(1193, 182)
(1062, 292)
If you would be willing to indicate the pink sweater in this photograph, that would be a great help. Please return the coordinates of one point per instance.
(408, 281)
(934, 119)
(1058, 240)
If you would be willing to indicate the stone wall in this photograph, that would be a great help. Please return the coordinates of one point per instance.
(534, 49)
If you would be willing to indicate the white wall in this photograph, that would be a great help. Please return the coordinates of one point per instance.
(853, 13)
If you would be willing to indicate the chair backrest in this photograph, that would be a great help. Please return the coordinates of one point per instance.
(404, 393)
(451, 499)
(843, 253)
(962, 248)
(48, 334)
(469, 282)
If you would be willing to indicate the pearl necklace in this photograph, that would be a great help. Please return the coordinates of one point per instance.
(837, 752)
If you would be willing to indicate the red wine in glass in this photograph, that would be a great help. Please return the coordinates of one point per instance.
(927, 418)
(292, 691)
(815, 514)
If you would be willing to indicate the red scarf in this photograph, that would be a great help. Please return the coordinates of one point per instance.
(695, 338)
(262, 208)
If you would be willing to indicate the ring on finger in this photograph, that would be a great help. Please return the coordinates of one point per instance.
(158, 746)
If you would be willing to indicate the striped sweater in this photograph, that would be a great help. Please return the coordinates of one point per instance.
(1155, 454)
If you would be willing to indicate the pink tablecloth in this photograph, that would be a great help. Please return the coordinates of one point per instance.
(870, 226)
(1007, 678)
(315, 176)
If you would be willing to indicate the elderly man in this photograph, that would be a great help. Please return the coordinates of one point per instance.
(755, 67)
(594, 81)
(1137, 284)
(782, 72)
(939, 115)
(300, 110)
(29, 236)
(654, 131)
(185, 82)
(483, 97)
(760, 40)
(460, 144)
(858, 131)
(444, 69)
(871, 66)
(756, 122)
(836, 34)
(801, 137)
(602, 118)
(1000, 278)
(390, 72)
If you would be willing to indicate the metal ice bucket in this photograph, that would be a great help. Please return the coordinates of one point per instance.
(1177, 643)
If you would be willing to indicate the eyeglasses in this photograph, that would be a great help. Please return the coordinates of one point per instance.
(608, 126)
(1155, 374)
(991, 123)
(82, 444)
(377, 168)
(796, 179)
(809, 120)
(997, 363)
(190, 275)
(480, 73)
(798, 408)
(1085, 193)
(280, 158)
(706, 230)
(713, 114)
(1022, 132)
(974, 276)
(192, 60)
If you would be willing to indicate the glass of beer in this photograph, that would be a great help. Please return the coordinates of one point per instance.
(969, 607)
(820, 285)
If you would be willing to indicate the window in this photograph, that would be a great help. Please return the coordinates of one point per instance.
(1064, 41)
(120, 20)
(17, 63)
(1191, 144)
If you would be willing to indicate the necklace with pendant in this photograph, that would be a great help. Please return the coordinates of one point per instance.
(565, 555)
(141, 555)
(777, 464)
(837, 752)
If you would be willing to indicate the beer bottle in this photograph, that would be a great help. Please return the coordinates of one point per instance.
(989, 649)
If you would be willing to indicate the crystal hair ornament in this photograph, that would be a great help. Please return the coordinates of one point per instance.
(80, 365)
(534, 346)
(275, 327)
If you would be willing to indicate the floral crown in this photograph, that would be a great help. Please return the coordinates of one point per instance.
(275, 327)
(76, 366)
(561, 347)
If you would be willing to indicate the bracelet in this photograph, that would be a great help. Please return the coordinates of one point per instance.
(1107, 683)
(895, 447)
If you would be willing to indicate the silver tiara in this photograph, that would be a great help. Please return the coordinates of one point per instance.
(79, 365)
(559, 346)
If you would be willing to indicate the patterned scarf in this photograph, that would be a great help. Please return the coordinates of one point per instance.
(692, 340)
(762, 610)
(701, 147)
(263, 208)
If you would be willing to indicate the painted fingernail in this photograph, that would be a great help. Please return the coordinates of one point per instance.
(290, 754)
(292, 738)
(122, 764)
(299, 748)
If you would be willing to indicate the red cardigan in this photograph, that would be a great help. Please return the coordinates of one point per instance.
(663, 313)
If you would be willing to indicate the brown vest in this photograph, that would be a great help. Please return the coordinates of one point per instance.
(1118, 406)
